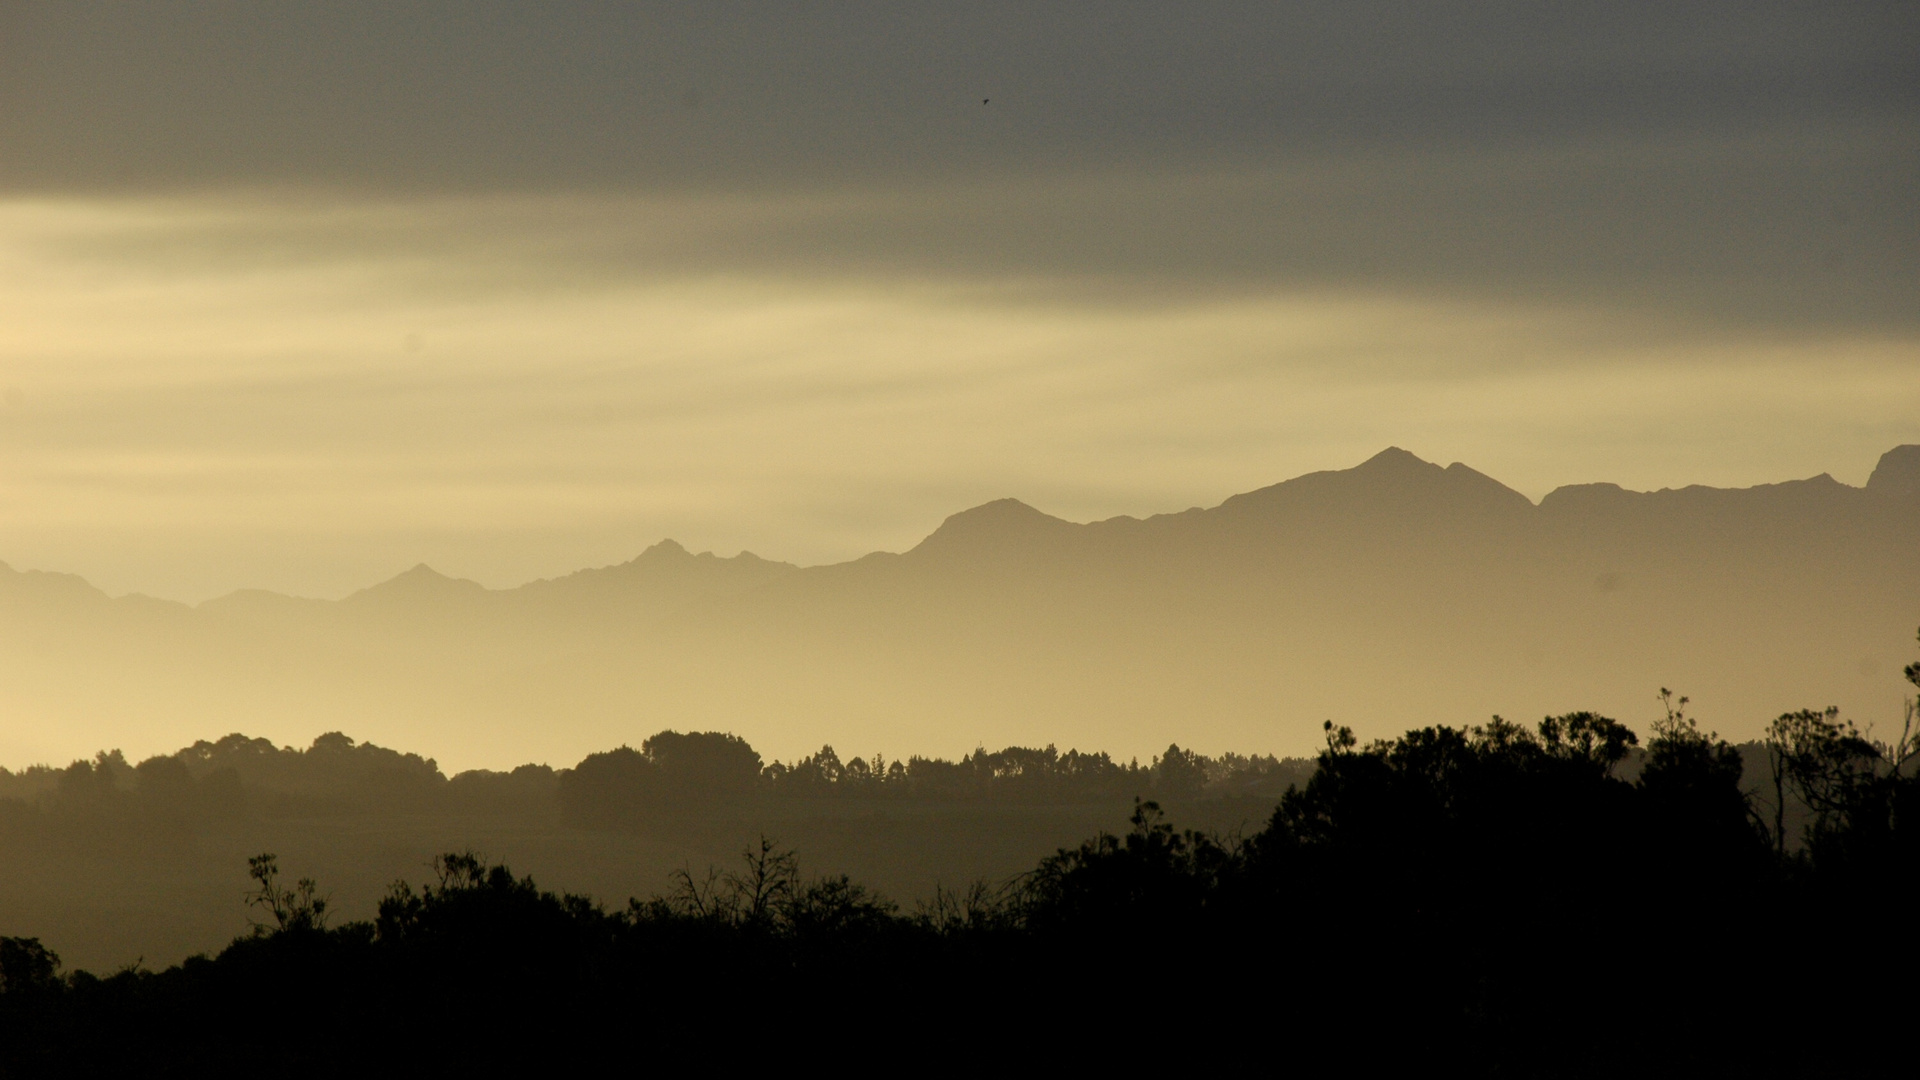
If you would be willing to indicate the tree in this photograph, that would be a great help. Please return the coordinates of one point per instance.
(1587, 738)
(294, 910)
(756, 896)
(1179, 773)
(1863, 793)
(1701, 816)
(702, 767)
(1152, 880)
(27, 967)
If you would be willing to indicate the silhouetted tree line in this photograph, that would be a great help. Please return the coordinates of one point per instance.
(1497, 899)
(674, 776)
(237, 773)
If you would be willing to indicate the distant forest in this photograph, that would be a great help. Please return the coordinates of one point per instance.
(673, 776)
(1560, 899)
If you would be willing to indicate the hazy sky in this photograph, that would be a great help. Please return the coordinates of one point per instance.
(296, 295)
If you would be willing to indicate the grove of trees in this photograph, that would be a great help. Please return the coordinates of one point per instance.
(1500, 899)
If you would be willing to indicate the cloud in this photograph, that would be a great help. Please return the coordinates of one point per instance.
(298, 295)
(1781, 229)
(438, 96)
(309, 397)
(1747, 166)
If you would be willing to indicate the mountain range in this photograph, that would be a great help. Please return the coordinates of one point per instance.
(1392, 594)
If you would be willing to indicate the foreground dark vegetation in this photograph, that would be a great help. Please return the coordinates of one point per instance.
(1501, 898)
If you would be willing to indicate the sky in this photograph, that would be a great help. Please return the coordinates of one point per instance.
(295, 296)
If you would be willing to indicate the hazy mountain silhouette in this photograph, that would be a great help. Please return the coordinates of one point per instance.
(422, 586)
(660, 581)
(1355, 594)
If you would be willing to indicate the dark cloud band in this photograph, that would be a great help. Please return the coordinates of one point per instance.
(751, 95)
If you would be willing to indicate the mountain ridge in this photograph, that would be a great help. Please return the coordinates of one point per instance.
(1357, 594)
(1392, 471)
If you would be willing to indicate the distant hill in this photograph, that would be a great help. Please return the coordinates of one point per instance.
(1393, 593)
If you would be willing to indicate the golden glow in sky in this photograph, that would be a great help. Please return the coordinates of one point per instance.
(311, 394)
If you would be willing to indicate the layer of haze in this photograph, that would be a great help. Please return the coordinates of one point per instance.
(204, 396)
(296, 296)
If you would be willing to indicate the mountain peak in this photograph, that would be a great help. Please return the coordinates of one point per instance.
(1000, 523)
(1392, 482)
(1394, 459)
(422, 582)
(665, 549)
(1898, 473)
